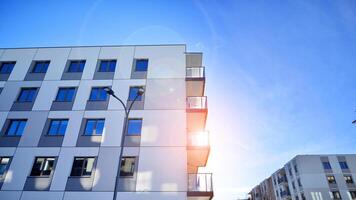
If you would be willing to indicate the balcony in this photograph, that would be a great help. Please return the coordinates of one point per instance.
(200, 186)
(195, 79)
(197, 111)
(198, 148)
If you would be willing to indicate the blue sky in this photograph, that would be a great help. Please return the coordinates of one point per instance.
(281, 75)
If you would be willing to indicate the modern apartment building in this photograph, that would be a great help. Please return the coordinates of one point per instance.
(311, 177)
(61, 132)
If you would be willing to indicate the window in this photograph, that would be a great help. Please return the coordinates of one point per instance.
(134, 127)
(331, 179)
(326, 165)
(94, 127)
(4, 162)
(335, 195)
(98, 94)
(27, 95)
(107, 66)
(1, 89)
(141, 65)
(133, 93)
(82, 166)
(42, 167)
(299, 183)
(76, 66)
(65, 94)
(348, 179)
(127, 166)
(303, 196)
(6, 67)
(16, 127)
(58, 127)
(295, 169)
(40, 67)
(343, 165)
(296, 197)
(293, 185)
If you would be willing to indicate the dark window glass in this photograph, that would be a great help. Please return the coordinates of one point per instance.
(58, 127)
(65, 94)
(331, 179)
(326, 165)
(107, 66)
(94, 127)
(343, 165)
(98, 94)
(27, 95)
(133, 93)
(353, 194)
(42, 167)
(134, 127)
(40, 67)
(336, 195)
(348, 179)
(7, 67)
(16, 127)
(82, 166)
(127, 166)
(1, 90)
(76, 66)
(141, 65)
(4, 163)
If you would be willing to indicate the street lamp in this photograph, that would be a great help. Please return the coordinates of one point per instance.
(109, 91)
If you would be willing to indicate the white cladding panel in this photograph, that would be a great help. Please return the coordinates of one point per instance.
(23, 58)
(42, 195)
(90, 55)
(168, 173)
(164, 61)
(57, 58)
(88, 195)
(165, 94)
(152, 195)
(65, 162)
(124, 57)
(21, 166)
(48, 93)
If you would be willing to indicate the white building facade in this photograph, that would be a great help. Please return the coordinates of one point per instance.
(314, 177)
(61, 132)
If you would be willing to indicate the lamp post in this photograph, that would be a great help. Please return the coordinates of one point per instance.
(109, 91)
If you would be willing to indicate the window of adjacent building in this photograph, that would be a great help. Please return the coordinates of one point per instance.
(94, 127)
(82, 166)
(7, 67)
(65, 94)
(76, 66)
(343, 165)
(352, 194)
(133, 93)
(299, 183)
(27, 95)
(295, 169)
(296, 197)
(335, 195)
(107, 66)
(134, 127)
(1, 89)
(331, 179)
(16, 127)
(293, 185)
(42, 166)
(127, 166)
(4, 162)
(98, 94)
(57, 126)
(303, 196)
(326, 165)
(141, 65)
(40, 67)
(348, 179)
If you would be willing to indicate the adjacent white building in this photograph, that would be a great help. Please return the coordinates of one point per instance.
(61, 132)
(313, 177)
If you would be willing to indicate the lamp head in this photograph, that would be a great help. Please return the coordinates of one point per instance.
(109, 91)
(140, 91)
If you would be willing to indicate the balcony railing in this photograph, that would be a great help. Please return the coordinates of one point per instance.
(195, 72)
(201, 182)
(197, 102)
(199, 139)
